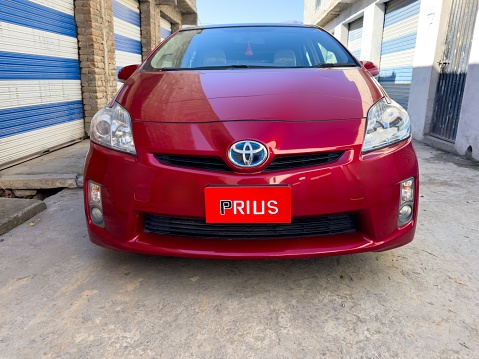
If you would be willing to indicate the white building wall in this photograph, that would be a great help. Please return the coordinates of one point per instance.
(312, 13)
(467, 140)
(309, 11)
(372, 32)
(433, 19)
(341, 33)
(352, 12)
(431, 35)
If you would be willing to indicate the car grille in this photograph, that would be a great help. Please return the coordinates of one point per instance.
(298, 161)
(279, 163)
(197, 162)
(300, 227)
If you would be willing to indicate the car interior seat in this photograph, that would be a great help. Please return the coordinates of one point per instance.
(214, 58)
(285, 58)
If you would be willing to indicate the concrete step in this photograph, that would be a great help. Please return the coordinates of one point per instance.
(62, 168)
(14, 211)
(41, 181)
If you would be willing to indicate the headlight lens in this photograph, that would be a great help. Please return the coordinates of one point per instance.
(387, 124)
(111, 127)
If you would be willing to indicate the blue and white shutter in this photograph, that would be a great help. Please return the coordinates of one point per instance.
(40, 90)
(398, 47)
(165, 28)
(355, 37)
(126, 22)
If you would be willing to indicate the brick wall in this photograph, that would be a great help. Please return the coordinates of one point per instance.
(150, 26)
(96, 45)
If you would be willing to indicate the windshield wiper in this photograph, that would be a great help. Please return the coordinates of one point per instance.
(241, 66)
(221, 67)
(171, 69)
(226, 67)
(335, 65)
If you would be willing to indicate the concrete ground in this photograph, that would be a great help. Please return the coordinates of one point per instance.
(62, 168)
(63, 297)
(14, 211)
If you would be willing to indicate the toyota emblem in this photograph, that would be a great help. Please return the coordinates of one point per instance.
(247, 154)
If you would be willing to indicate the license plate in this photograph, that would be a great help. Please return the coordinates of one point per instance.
(248, 204)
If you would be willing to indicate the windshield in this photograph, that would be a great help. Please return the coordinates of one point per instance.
(250, 47)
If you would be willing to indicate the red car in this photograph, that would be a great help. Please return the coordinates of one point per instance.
(251, 141)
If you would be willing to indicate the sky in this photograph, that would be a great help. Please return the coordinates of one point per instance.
(248, 11)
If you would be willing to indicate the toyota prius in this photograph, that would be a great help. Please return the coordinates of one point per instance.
(251, 141)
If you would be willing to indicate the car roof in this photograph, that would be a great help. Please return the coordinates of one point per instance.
(219, 26)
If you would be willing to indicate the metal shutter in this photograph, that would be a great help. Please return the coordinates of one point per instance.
(126, 22)
(355, 37)
(398, 47)
(165, 29)
(41, 104)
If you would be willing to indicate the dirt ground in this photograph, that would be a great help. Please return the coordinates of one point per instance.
(63, 297)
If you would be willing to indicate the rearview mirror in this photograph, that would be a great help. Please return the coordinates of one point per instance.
(371, 67)
(125, 72)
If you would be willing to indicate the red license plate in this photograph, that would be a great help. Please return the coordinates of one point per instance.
(248, 204)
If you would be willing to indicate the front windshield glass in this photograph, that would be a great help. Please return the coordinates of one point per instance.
(250, 47)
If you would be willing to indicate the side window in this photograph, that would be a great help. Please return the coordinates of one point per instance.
(329, 56)
(308, 58)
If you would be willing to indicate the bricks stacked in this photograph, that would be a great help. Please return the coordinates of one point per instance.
(150, 26)
(96, 45)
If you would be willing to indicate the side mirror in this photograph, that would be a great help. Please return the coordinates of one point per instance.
(368, 65)
(125, 72)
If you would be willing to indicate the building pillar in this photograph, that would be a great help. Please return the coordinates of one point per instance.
(431, 35)
(175, 27)
(341, 33)
(467, 139)
(373, 23)
(96, 45)
(150, 26)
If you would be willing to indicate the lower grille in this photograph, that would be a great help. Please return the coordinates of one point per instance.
(300, 227)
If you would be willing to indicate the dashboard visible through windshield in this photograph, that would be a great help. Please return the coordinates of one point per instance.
(250, 47)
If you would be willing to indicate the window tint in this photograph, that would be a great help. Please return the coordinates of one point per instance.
(267, 46)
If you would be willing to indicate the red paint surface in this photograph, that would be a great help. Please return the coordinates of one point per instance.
(371, 67)
(125, 72)
(248, 204)
(244, 94)
(291, 112)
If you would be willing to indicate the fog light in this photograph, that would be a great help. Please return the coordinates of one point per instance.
(405, 211)
(96, 215)
(406, 202)
(94, 193)
(95, 202)
(407, 191)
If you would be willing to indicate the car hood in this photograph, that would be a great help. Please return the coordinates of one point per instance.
(249, 94)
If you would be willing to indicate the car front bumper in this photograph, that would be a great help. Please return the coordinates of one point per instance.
(366, 185)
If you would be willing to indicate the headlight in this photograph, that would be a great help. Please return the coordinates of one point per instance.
(387, 124)
(111, 127)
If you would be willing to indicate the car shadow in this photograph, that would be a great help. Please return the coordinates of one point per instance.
(249, 277)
